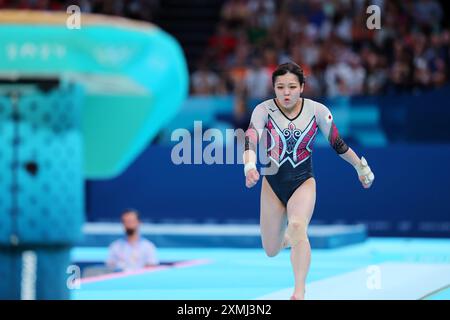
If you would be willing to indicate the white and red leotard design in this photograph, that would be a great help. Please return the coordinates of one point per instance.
(290, 141)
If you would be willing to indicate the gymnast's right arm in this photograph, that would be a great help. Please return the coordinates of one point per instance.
(252, 136)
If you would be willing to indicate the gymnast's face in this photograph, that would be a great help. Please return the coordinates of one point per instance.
(288, 90)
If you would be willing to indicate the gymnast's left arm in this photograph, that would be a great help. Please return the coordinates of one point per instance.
(328, 128)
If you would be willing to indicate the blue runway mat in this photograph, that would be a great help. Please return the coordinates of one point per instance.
(222, 274)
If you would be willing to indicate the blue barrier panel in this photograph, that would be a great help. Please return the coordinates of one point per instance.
(409, 196)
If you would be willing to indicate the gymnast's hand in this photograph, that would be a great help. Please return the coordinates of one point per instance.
(365, 182)
(251, 178)
(365, 174)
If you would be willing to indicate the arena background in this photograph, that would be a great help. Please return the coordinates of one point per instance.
(392, 123)
(87, 115)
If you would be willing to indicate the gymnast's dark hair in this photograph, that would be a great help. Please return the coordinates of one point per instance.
(291, 67)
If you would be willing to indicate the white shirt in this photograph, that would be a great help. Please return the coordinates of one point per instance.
(128, 256)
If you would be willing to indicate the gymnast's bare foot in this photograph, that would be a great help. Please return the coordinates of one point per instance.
(298, 295)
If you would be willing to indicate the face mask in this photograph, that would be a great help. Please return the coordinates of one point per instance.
(130, 232)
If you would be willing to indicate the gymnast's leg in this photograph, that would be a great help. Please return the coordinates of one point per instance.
(300, 208)
(272, 220)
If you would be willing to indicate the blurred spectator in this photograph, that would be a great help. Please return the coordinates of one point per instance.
(376, 76)
(400, 77)
(241, 113)
(356, 76)
(204, 81)
(331, 41)
(256, 33)
(345, 78)
(131, 252)
(262, 12)
(409, 52)
(428, 13)
(141, 9)
(258, 81)
(235, 13)
(221, 44)
(85, 5)
(313, 84)
(270, 58)
(238, 67)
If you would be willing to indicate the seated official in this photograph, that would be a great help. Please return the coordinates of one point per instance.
(131, 252)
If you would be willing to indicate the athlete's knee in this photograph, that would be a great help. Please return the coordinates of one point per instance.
(297, 231)
(271, 251)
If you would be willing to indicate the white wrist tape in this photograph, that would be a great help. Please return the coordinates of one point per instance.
(249, 166)
(364, 170)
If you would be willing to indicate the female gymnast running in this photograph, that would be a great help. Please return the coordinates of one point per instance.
(290, 124)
